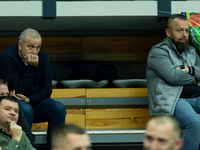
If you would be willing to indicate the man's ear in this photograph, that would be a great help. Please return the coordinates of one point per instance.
(168, 32)
(19, 45)
(179, 144)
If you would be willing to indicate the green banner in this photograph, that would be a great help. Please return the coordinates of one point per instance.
(194, 26)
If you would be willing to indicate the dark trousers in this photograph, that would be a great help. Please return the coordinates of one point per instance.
(49, 111)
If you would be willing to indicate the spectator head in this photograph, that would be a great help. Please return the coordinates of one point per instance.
(8, 111)
(170, 22)
(178, 31)
(3, 88)
(70, 137)
(30, 42)
(162, 133)
(29, 31)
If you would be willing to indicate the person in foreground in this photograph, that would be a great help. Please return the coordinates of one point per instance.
(162, 133)
(21, 120)
(28, 71)
(70, 137)
(173, 73)
(11, 135)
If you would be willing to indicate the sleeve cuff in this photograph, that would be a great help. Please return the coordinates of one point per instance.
(192, 71)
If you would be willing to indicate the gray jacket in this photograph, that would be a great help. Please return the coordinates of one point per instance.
(164, 82)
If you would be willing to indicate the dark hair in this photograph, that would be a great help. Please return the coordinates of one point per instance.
(164, 119)
(174, 16)
(3, 82)
(62, 131)
(69, 128)
(10, 98)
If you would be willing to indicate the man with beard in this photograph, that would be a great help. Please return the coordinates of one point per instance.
(173, 73)
(162, 133)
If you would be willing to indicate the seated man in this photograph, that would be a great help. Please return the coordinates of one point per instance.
(22, 120)
(173, 76)
(28, 71)
(163, 133)
(11, 134)
(70, 137)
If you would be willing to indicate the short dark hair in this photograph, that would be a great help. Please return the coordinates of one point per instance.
(164, 119)
(174, 16)
(62, 131)
(3, 82)
(10, 98)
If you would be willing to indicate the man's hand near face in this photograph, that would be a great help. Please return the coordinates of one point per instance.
(32, 60)
(15, 131)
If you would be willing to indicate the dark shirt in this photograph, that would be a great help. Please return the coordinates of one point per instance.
(31, 81)
(190, 91)
(25, 127)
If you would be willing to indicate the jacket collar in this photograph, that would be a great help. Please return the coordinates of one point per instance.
(171, 45)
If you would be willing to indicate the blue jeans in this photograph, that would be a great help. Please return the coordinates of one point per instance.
(49, 111)
(186, 111)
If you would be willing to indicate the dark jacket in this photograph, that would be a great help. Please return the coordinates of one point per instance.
(33, 82)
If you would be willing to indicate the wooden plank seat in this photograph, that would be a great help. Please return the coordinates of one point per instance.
(115, 111)
(74, 101)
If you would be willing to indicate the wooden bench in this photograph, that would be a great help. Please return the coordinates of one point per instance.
(115, 111)
(95, 109)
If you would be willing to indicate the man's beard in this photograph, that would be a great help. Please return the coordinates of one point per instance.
(181, 46)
